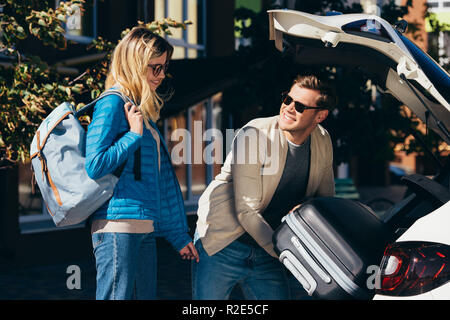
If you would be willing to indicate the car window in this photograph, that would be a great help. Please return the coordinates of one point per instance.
(368, 28)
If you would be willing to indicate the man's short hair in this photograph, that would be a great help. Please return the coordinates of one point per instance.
(327, 93)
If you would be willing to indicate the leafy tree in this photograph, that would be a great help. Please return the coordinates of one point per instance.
(30, 87)
(436, 28)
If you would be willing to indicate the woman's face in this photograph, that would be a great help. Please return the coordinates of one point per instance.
(156, 71)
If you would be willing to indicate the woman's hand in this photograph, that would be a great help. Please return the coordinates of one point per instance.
(134, 118)
(189, 252)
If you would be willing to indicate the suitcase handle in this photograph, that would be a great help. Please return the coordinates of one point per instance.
(299, 271)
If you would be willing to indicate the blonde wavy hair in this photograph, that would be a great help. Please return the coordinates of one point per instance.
(129, 67)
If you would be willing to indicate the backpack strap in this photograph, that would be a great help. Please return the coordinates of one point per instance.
(91, 104)
(137, 154)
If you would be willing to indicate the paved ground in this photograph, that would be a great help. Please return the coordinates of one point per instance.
(49, 282)
(174, 281)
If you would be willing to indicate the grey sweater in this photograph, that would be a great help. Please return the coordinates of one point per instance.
(291, 189)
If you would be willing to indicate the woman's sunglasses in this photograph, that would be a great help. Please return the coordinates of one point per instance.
(299, 107)
(157, 68)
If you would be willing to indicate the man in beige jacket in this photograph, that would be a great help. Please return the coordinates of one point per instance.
(275, 163)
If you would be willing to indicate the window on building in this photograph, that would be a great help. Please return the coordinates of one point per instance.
(439, 5)
(196, 156)
(433, 4)
(81, 26)
(189, 43)
(438, 42)
(255, 6)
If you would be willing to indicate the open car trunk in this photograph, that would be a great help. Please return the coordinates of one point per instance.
(368, 43)
(329, 243)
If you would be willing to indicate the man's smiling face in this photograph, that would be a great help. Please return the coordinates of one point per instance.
(293, 121)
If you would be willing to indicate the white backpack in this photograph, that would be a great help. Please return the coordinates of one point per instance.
(58, 161)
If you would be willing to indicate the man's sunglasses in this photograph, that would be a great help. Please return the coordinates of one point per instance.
(299, 107)
(157, 68)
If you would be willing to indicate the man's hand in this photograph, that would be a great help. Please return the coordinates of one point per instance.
(189, 252)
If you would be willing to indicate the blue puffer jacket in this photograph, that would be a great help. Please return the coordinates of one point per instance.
(157, 196)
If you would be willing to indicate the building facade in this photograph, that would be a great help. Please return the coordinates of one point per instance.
(198, 74)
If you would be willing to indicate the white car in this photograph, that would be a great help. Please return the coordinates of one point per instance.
(417, 263)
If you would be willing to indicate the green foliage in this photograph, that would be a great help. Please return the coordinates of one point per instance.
(29, 87)
(437, 27)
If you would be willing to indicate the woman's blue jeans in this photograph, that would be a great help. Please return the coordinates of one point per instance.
(260, 275)
(126, 265)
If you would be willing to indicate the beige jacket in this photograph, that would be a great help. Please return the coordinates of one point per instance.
(233, 202)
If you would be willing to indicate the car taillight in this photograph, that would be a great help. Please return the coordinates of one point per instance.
(411, 268)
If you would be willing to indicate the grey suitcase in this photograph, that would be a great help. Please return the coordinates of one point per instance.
(328, 244)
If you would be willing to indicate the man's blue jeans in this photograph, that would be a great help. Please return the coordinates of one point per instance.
(126, 265)
(260, 275)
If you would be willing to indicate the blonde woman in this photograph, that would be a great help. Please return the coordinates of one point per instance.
(143, 205)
